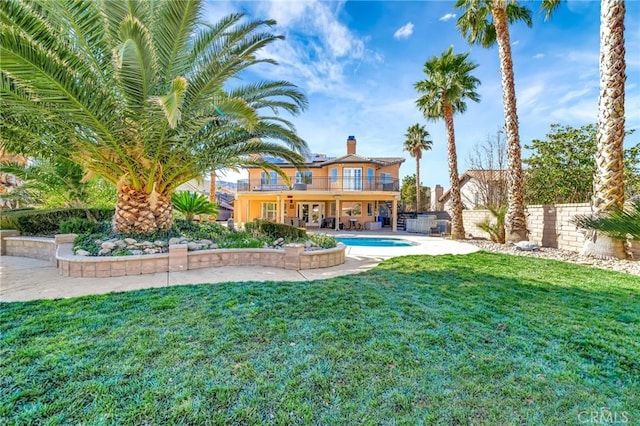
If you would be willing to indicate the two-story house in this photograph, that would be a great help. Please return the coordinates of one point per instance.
(348, 192)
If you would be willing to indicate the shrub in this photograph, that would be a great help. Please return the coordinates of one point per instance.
(262, 228)
(323, 240)
(205, 230)
(78, 225)
(47, 222)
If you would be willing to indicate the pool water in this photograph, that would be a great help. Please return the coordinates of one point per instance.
(374, 242)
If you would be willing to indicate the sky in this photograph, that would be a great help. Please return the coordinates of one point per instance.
(358, 61)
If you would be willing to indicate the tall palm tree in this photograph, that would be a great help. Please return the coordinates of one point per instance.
(449, 83)
(418, 140)
(608, 185)
(486, 22)
(138, 93)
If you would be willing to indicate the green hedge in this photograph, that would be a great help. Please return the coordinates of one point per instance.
(263, 228)
(47, 222)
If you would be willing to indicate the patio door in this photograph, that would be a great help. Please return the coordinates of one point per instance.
(352, 179)
(311, 213)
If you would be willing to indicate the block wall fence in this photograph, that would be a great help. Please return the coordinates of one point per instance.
(549, 225)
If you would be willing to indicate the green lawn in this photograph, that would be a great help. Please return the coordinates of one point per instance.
(482, 338)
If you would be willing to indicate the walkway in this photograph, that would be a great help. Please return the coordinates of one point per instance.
(23, 279)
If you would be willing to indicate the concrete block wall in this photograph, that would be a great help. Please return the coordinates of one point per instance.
(549, 225)
(470, 219)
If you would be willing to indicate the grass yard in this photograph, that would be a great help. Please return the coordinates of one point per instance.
(476, 339)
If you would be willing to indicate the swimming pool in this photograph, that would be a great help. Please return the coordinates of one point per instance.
(374, 242)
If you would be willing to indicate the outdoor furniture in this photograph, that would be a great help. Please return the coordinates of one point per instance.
(328, 222)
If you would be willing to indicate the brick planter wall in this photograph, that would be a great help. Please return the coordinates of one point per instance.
(58, 251)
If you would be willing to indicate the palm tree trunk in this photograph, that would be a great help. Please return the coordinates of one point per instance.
(212, 193)
(142, 213)
(608, 184)
(212, 187)
(457, 227)
(515, 221)
(417, 184)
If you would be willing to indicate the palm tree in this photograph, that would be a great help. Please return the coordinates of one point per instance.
(418, 140)
(608, 185)
(477, 28)
(138, 92)
(448, 84)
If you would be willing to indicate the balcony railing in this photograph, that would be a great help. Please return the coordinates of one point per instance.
(320, 184)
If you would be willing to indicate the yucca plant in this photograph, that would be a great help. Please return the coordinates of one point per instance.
(137, 92)
(618, 223)
(191, 204)
(495, 229)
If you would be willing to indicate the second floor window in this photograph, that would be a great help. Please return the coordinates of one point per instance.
(269, 178)
(370, 176)
(334, 175)
(304, 177)
(385, 177)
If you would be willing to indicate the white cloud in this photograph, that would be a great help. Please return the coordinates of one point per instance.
(515, 43)
(447, 17)
(404, 31)
(538, 56)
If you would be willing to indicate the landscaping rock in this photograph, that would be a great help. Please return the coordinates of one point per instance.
(174, 240)
(130, 241)
(83, 253)
(104, 252)
(160, 243)
(193, 246)
(108, 245)
(136, 252)
(120, 244)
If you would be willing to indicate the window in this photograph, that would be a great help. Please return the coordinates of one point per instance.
(334, 175)
(352, 179)
(385, 177)
(269, 178)
(369, 209)
(268, 211)
(370, 177)
(304, 177)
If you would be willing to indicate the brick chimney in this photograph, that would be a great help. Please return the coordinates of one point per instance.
(436, 193)
(351, 145)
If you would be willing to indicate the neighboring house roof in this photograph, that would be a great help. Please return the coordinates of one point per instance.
(481, 175)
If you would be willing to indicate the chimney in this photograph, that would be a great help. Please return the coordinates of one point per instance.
(351, 145)
(436, 193)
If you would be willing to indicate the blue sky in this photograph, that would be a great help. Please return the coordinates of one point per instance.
(357, 62)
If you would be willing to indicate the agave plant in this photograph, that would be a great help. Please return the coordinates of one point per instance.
(618, 223)
(139, 92)
(191, 204)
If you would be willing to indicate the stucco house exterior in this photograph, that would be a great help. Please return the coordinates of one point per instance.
(348, 192)
(479, 188)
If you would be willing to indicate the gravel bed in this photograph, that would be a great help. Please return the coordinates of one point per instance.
(628, 266)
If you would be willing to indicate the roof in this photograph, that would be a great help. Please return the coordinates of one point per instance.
(481, 175)
(354, 158)
(320, 161)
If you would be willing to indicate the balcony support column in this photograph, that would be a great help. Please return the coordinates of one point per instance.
(337, 220)
(394, 216)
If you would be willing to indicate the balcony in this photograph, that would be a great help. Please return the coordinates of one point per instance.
(320, 184)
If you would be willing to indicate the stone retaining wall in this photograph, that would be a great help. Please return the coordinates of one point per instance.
(59, 252)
